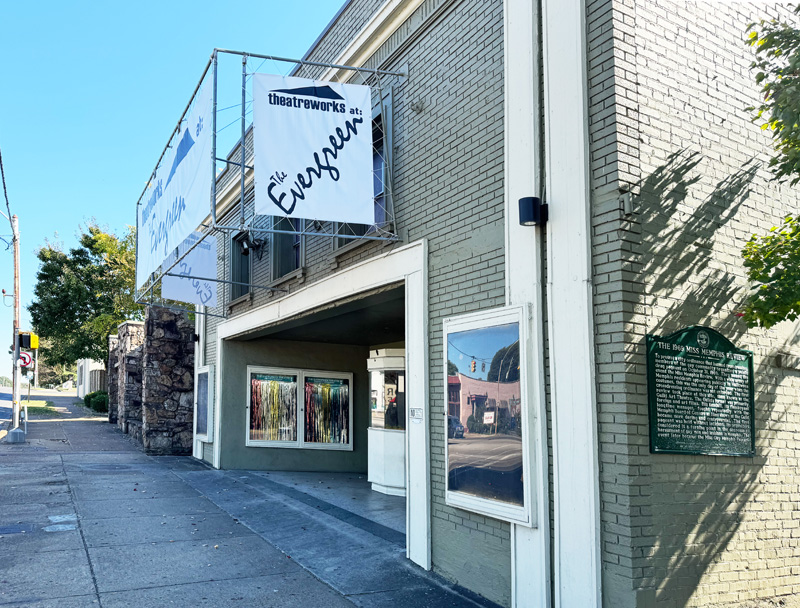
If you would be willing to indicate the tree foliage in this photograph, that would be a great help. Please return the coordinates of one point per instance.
(777, 67)
(452, 368)
(81, 296)
(773, 260)
(54, 375)
(505, 364)
(773, 267)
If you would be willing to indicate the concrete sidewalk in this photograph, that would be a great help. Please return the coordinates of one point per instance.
(87, 519)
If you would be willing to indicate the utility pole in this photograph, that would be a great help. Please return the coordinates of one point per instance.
(15, 400)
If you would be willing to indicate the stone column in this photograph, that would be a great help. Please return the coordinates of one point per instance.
(168, 382)
(129, 377)
(113, 384)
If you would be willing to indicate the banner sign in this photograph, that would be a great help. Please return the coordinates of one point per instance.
(200, 262)
(312, 142)
(178, 197)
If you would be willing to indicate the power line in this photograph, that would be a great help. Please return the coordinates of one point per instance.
(467, 354)
(5, 192)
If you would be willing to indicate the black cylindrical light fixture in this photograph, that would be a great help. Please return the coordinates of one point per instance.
(531, 211)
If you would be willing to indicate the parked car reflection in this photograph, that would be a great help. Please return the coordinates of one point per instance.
(454, 428)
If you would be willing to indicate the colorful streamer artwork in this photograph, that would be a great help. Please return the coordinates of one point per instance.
(327, 415)
(273, 407)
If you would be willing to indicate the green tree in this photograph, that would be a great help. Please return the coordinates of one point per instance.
(773, 267)
(54, 374)
(81, 296)
(505, 364)
(772, 260)
(452, 368)
(777, 67)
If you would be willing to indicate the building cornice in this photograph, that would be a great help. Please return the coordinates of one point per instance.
(376, 32)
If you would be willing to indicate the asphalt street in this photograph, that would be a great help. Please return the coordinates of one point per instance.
(5, 405)
(489, 466)
(88, 519)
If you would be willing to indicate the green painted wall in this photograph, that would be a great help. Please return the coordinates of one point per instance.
(237, 355)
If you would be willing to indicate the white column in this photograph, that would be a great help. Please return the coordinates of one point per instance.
(418, 470)
(570, 324)
(530, 553)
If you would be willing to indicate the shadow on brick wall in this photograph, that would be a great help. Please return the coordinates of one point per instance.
(679, 238)
(693, 507)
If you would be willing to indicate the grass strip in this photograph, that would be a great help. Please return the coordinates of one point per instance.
(41, 408)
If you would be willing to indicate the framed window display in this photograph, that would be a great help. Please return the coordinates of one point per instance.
(203, 402)
(293, 408)
(327, 410)
(486, 420)
(272, 406)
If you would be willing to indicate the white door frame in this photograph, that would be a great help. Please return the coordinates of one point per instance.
(409, 265)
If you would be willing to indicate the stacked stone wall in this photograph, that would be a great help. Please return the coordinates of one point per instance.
(112, 379)
(151, 381)
(129, 377)
(168, 383)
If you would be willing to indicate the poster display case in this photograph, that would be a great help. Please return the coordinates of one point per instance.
(203, 402)
(293, 408)
(386, 465)
(486, 419)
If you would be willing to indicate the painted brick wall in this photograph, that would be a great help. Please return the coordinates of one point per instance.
(669, 82)
(448, 188)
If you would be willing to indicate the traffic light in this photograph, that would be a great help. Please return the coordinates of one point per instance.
(28, 340)
(472, 366)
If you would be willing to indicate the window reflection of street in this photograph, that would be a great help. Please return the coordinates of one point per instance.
(484, 413)
(488, 466)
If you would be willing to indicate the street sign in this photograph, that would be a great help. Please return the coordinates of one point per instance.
(25, 359)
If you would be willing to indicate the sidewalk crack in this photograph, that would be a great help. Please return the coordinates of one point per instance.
(80, 530)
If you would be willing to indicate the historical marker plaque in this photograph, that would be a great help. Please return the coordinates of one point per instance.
(700, 392)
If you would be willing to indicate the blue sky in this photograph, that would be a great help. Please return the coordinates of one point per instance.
(89, 94)
(482, 344)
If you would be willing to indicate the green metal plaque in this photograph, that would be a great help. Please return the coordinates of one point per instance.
(700, 393)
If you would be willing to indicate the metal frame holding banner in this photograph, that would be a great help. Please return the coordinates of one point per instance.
(325, 181)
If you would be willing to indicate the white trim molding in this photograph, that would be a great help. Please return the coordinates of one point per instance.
(383, 24)
(407, 264)
(530, 546)
(577, 557)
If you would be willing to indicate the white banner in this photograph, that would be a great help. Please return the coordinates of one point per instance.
(178, 198)
(312, 141)
(200, 262)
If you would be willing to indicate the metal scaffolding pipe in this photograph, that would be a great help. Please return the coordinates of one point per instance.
(189, 276)
(314, 63)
